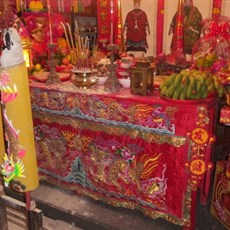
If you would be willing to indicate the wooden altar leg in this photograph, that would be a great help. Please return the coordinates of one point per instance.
(204, 192)
(226, 147)
(192, 212)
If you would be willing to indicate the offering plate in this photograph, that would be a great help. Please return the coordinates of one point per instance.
(84, 78)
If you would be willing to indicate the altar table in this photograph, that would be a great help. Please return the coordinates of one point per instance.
(138, 152)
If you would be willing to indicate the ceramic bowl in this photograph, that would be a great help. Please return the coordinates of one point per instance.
(125, 82)
(102, 80)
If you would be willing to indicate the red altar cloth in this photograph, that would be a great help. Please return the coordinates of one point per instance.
(127, 150)
(161, 115)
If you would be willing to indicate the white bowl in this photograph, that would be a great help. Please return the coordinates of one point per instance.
(125, 82)
(102, 80)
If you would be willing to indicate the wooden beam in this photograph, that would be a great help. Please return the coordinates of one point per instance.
(14, 211)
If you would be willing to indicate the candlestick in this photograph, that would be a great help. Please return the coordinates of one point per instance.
(50, 19)
(53, 77)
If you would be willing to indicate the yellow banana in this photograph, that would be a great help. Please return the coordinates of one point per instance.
(198, 85)
(170, 79)
(170, 91)
(176, 93)
(177, 80)
(204, 93)
(188, 92)
(199, 78)
(211, 87)
(191, 81)
(216, 83)
(163, 90)
(208, 80)
(182, 95)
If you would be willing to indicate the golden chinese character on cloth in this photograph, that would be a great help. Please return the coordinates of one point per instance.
(103, 3)
(199, 136)
(104, 29)
(197, 167)
(104, 16)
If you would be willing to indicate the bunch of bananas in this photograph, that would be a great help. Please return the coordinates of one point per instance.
(190, 85)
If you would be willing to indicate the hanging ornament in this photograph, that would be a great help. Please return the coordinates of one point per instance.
(216, 9)
(178, 39)
(36, 5)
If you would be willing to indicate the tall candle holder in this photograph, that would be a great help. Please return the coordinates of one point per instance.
(112, 84)
(53, 77)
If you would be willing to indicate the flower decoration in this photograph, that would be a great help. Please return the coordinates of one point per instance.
(8, 92)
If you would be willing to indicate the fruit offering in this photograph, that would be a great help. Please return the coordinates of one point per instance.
(35, 5)
(65, 65)
(190, 85)
(34, 70)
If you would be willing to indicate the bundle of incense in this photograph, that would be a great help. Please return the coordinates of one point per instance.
(70, 41)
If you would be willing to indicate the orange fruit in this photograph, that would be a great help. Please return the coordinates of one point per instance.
(38, 67)
(65, 61)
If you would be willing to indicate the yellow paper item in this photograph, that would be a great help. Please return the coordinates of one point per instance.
(17, 116)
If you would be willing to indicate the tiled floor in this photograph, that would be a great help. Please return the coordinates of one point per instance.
(87, 214)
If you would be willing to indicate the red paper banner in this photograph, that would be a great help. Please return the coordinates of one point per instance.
(109, 21)
(160, 26)
(103, 21)
(118, 39)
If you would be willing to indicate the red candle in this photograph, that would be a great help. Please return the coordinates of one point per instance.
(111, 13)
(160, 27)
(50, 21)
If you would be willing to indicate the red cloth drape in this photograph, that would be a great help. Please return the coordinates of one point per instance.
(160, 26)
(118, 38)
(216, 9)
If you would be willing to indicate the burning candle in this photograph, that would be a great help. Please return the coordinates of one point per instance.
(49, 18)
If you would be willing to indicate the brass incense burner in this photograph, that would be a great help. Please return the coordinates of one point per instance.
(84, 79)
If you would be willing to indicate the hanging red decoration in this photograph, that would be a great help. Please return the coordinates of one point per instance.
(178, 40)
(160, 26)
(118, 36)
(103, 23)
